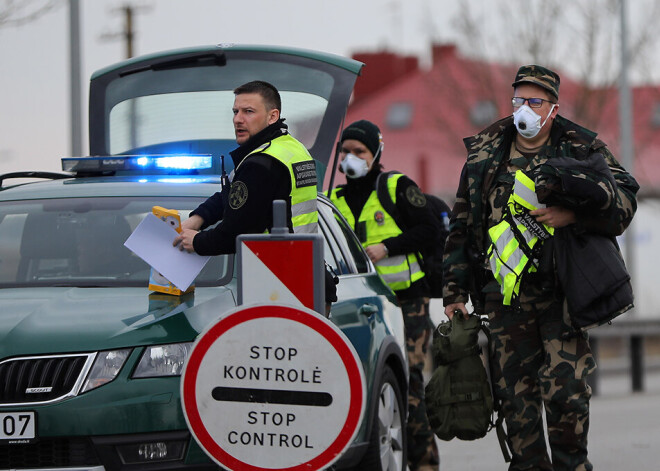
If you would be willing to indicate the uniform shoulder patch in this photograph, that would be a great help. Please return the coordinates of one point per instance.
(415, 196)
(238, 194)
(304, 173)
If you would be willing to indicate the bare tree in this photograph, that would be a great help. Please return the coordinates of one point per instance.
(20, 12)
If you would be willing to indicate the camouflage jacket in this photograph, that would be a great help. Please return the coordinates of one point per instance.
(484, 172)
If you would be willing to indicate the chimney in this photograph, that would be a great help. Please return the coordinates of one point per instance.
(442, 52)
(381, 69)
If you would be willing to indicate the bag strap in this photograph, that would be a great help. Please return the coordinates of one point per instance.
(383, 194)
(475, 396)
(499, 422)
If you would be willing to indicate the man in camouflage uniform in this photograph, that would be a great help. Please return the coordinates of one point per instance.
(539, 360)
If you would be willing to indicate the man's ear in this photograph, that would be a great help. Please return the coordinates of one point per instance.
(273, 116)
(555, 111)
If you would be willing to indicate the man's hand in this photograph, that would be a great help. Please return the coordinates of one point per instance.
(185, 240)
(376, 252)
(554, 216)
(449, 310)
(194, 222)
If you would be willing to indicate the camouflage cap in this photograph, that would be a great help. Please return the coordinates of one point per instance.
(538, 75)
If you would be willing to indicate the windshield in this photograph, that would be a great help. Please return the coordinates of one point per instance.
(80, 242)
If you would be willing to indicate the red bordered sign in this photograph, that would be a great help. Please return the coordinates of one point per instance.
(273, 387)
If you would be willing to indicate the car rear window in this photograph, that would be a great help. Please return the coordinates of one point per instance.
(144, 122)
(151, 109)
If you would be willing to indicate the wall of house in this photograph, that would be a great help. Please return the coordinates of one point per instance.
(645, 266)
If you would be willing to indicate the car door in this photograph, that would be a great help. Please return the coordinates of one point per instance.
(366, 309)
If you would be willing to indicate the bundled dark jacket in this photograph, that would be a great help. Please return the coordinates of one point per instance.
(588, 265)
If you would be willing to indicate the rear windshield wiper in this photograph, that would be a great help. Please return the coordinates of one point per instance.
(204, 59)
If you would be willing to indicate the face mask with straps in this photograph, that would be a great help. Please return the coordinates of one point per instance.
(527, 122)
(355, 167)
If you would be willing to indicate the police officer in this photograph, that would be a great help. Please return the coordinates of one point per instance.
(269, 165)
(540, 363)
(394, 253)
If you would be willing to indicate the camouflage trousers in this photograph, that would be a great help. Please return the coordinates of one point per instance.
(537, 367)
(422, 449)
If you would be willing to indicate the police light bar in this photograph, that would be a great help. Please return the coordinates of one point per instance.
(138, 163)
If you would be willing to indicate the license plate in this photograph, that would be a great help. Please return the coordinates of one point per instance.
(17, 427)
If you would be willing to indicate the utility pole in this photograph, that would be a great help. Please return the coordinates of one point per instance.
(625, 98)
(75, 78)
(625, 127)
(128, 30)
(128, 33)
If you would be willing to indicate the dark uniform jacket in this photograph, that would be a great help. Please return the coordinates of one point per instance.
(266, 179)
(486, 183)
(419, 220)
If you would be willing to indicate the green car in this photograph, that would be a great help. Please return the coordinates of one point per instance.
(90, 357)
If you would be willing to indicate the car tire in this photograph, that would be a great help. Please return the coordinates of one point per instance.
(387, 444)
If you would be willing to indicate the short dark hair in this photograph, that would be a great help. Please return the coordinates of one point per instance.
(267, 91)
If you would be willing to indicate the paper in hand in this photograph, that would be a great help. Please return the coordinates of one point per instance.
(152, 242)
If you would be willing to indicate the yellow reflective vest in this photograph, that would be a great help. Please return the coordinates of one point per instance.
(516, 239)
(302, 170)
(398, 271)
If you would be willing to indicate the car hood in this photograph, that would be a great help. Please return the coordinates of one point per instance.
(58, 320)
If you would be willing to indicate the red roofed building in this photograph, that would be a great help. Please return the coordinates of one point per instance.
(425, 114)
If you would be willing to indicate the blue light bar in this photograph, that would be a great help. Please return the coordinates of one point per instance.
(138, 163)
(184, 162)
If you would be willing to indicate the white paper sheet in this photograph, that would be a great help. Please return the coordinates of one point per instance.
(152, 242)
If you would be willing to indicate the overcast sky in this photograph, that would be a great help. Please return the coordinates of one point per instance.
(34, 58)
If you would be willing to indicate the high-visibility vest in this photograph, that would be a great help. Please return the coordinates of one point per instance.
(398, 271)
(517, 239)
(302, 170)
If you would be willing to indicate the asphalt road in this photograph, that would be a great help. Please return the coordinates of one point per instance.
(624, 433)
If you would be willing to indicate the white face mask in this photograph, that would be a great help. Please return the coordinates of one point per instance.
(527, 122)
(354, 167)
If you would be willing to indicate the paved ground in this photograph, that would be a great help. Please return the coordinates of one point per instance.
(624, 434)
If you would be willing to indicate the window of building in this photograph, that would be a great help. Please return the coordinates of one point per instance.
(399, 115)
(655, 115)
(483, 113)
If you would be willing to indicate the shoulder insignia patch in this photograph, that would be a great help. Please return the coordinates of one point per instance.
(304, 173)
(415, 196)
(238, 194)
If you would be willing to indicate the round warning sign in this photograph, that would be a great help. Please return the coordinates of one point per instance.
(273, 387)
